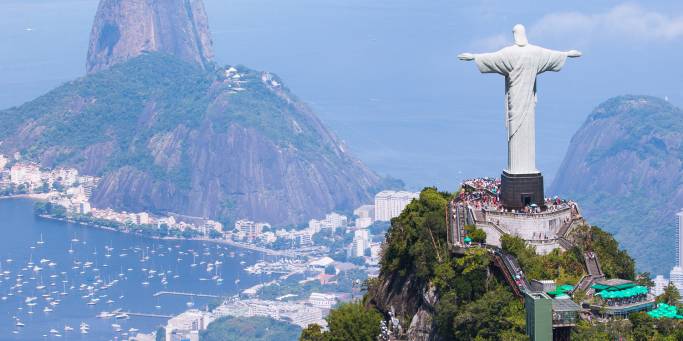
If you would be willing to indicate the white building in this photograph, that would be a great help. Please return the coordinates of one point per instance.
(390, 204)
(249, 229)
(335, 220)
(305, 237)
(361, 241)
(362, 223)
(660, 284)
(187, 325)
(22, 173)
(66, 176)
(142, 218)
(676, 274)
(325, 301)
(365, 211)
(84, 207)
(315, 225)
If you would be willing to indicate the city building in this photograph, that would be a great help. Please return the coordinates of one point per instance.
(186, 326)
(365, 211)
(250, 229)
(676, 277)
(660, 284)
(390, 204)
(361, 241)
(25, 173)
(325, 301)
(331, 221)
(676, 274)
(364, 222)
(84, 207)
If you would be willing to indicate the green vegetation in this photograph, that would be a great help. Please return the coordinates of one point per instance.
(349, 322)
(416, 241)
(150, 114)
(564, 267)
(249, 329)
(473, 302)
(615, 263)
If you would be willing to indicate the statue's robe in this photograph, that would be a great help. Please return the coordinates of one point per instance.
(520, 65)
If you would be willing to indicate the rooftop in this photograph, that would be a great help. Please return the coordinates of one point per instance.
(565, 304)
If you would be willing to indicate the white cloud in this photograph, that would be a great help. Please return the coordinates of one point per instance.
(626, 23)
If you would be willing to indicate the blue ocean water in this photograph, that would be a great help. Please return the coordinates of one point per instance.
(128, 260)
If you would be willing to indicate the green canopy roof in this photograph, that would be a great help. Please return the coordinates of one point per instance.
(626, 293)
(664, 310)
(601, 287)
(565, 287)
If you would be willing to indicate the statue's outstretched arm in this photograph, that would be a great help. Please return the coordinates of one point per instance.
(466, 56)
(574, 54)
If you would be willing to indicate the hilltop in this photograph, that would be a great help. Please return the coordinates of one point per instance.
(624, 166)
(125, 29)
(167, 135)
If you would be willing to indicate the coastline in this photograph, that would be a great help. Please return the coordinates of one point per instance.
(32, 196)
(267, 251)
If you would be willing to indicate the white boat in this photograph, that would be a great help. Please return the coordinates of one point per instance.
(68, 328)
(54, 331)
(40, 242)
(19, 324)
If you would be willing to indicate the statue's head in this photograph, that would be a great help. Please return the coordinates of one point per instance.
(519, 33)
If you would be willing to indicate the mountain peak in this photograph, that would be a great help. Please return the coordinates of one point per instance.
(124, 29)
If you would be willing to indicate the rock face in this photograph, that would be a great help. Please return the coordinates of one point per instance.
(412, 303)
(625, 168)
(167, 136)
(123, 29)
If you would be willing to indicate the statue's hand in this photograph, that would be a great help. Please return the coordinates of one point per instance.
(573, 54)
(466, 56)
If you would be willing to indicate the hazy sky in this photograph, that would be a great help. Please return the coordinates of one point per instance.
(384, 76)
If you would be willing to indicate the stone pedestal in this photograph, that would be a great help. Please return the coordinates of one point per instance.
(520, 190)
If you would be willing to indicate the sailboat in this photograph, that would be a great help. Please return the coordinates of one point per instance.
(40, 242)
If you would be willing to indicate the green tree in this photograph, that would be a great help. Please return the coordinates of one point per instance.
(353, 322)
(252, 328)
(478, 236)
(670, 296)
(645, 280)
(496, 311)
(642, 326)
(312, 333)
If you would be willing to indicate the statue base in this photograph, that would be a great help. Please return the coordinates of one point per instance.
(520, 190)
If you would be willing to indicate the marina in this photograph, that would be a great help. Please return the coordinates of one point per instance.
(65, 280)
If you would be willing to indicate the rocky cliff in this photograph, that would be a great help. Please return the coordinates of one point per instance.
(123, 29)
(166, 135)
(624, 166)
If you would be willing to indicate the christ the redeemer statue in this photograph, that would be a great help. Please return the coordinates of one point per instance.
(521, 182)
(520, 64)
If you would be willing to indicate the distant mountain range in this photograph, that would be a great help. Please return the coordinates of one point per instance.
(168, 130)
(625, 168)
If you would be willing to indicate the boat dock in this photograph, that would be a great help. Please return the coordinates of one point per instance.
(179, 293)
